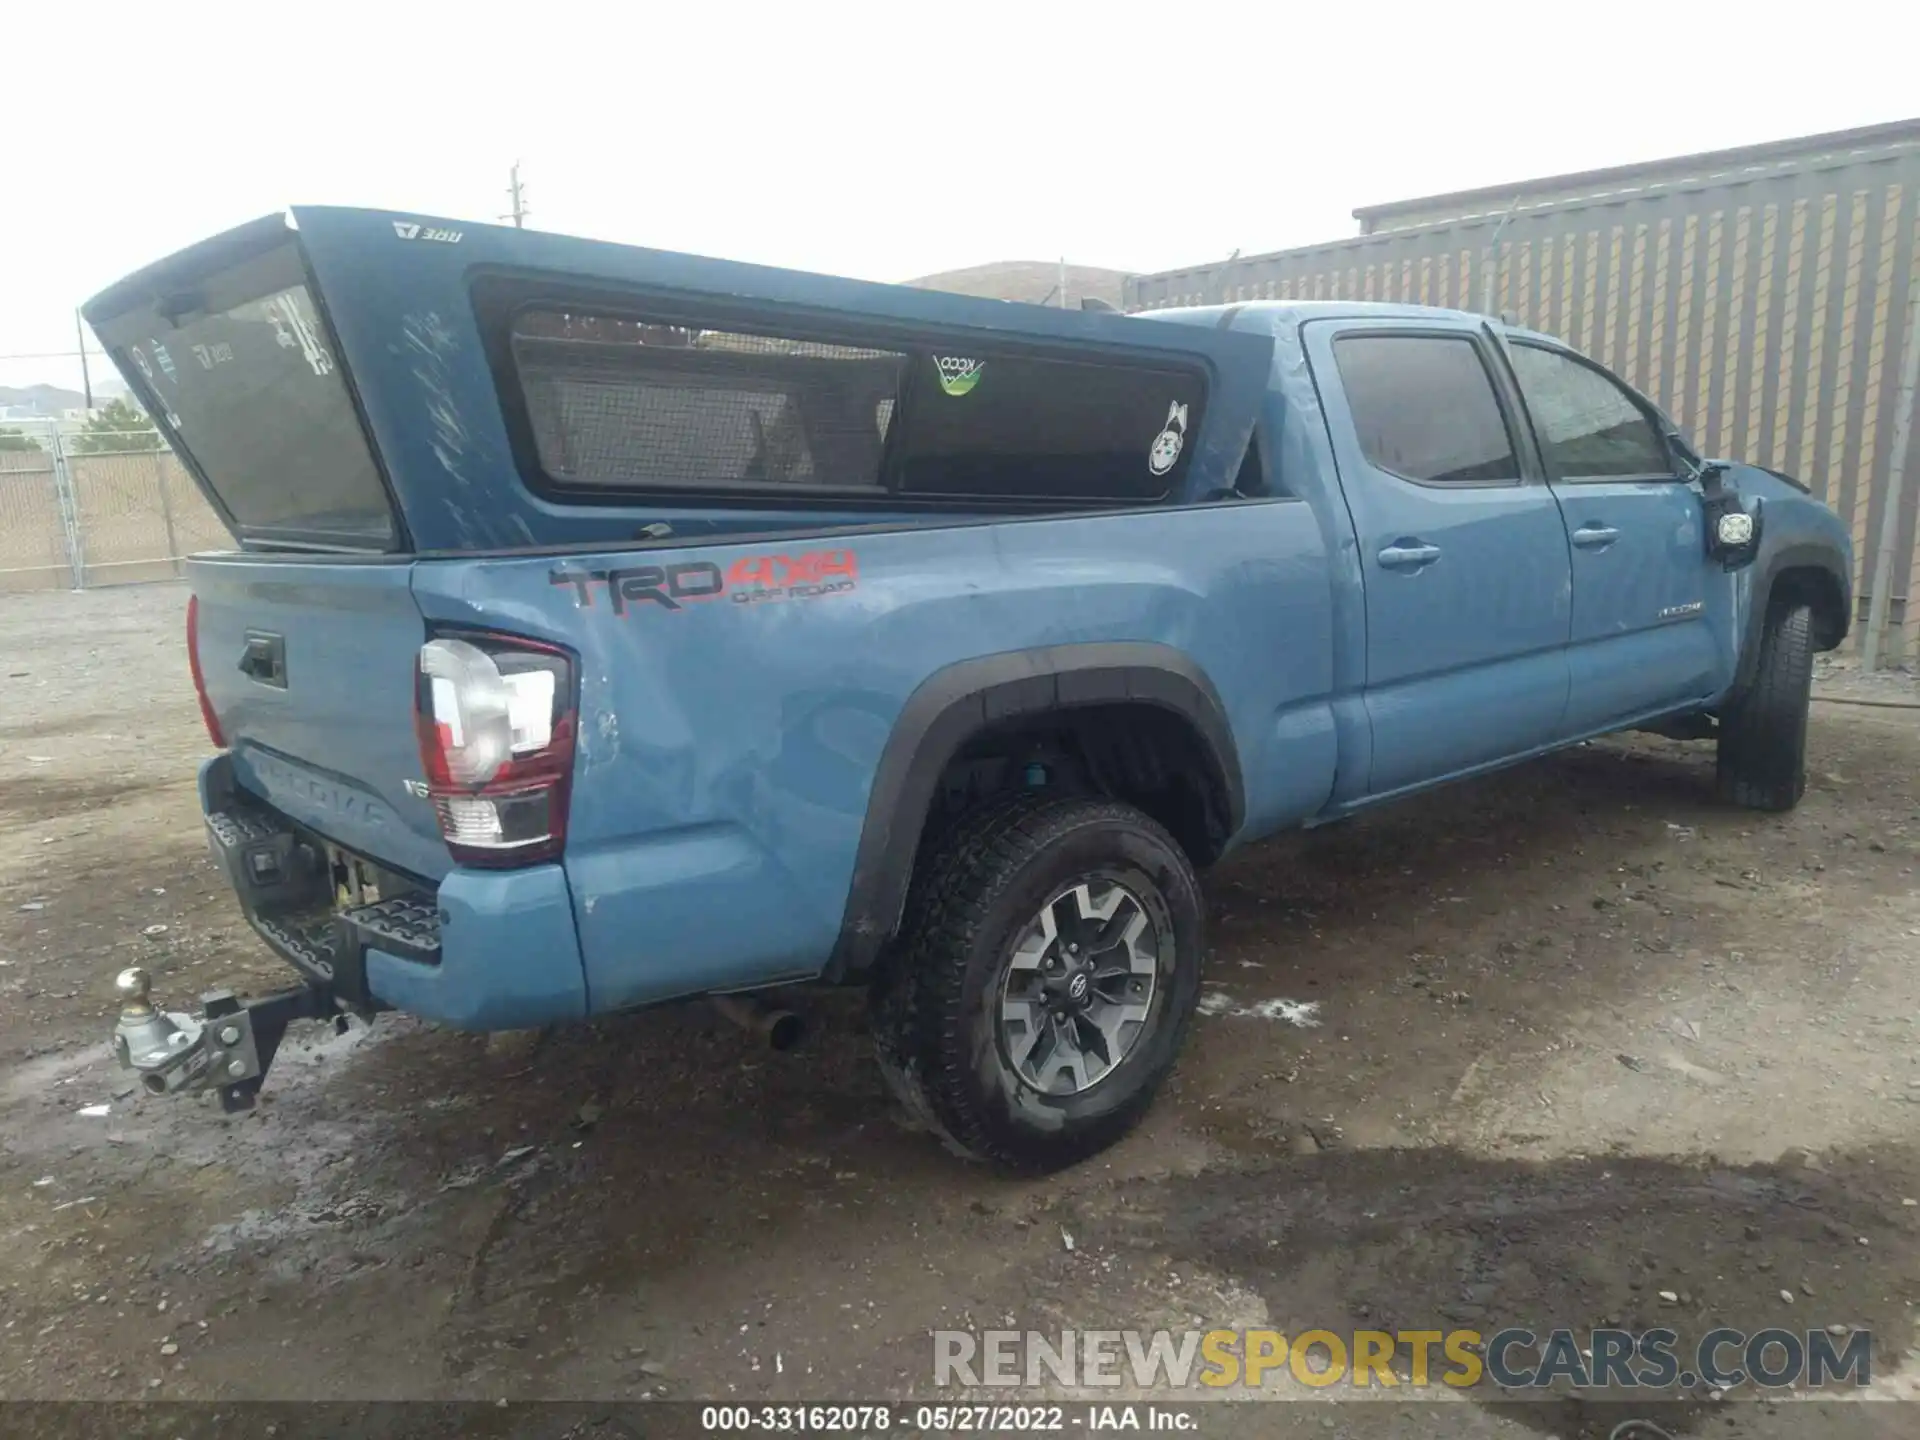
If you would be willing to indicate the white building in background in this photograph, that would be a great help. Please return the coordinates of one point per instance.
(30, 422)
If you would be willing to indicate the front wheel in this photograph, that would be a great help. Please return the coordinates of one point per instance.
(1047, 977)
(1762, 761)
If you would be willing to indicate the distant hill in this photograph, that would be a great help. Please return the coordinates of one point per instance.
(50, 400)
(43, 399)
(1034, 281)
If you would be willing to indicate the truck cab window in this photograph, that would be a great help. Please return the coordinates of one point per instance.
(1588, 425)
(1424, 408)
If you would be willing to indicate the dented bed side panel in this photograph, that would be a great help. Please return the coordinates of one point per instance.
(735, 701)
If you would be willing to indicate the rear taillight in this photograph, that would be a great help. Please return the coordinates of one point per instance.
(199, 680)
(496, 723)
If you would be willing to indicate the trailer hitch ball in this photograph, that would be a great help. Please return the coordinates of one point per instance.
(162, 1047)
(227, 1047)
(136, 989)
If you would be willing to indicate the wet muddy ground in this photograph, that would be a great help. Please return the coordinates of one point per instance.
(1584, 1039)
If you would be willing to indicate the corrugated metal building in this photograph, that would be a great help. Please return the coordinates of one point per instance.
(1763, 296)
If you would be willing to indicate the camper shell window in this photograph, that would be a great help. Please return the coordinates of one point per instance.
(241, 374)
(607, 401)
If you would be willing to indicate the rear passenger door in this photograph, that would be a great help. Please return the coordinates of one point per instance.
(1464, 556)
(1645, 608)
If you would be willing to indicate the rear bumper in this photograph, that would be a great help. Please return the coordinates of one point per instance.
(486, 950)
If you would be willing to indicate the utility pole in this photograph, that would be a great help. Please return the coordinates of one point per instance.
(517, 194)
(80, 343)
(1063, 282)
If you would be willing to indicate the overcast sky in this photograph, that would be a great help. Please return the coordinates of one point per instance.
(883, 141)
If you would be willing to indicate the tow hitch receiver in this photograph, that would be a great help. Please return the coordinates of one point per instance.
(227, 1048)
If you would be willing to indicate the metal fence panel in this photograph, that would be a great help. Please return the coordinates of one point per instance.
(1766, 308)
(99, 518)
(33, 542)
(131, 519)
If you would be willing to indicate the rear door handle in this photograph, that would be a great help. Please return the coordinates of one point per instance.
(1595, 537)
(1409, 555)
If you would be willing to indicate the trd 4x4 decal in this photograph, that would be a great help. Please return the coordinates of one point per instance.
(750, 580)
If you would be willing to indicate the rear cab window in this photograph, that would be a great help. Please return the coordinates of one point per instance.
(240, 373)
(606, 402)
(1424, 408)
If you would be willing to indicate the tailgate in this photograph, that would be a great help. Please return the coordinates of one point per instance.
(309, 665)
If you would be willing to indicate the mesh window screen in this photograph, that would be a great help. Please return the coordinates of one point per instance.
(622, 403)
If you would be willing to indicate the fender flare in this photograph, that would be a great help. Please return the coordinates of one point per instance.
(955, 703)
(1802, 555)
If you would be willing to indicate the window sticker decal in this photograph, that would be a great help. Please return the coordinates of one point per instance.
(304, 330)
(1165, 452)
(958, 374)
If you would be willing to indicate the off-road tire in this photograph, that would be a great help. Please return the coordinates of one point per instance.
(1762, 761)
(935, 1002)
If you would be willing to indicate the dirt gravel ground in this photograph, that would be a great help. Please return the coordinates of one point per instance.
(1583, 1037)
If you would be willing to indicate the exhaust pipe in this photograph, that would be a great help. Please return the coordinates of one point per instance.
(781, 1028)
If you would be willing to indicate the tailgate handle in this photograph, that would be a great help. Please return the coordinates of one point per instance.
(265, 659)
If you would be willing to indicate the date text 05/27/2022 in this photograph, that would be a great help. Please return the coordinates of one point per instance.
(948, 1419)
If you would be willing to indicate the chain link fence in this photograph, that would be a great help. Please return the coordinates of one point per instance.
(72, 519)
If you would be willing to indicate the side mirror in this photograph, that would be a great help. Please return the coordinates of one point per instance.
(1687, 464)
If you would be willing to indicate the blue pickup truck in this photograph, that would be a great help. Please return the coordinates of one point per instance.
(609, 627)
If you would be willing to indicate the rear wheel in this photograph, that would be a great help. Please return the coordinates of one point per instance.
(1763, 735)
(1045, 981)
